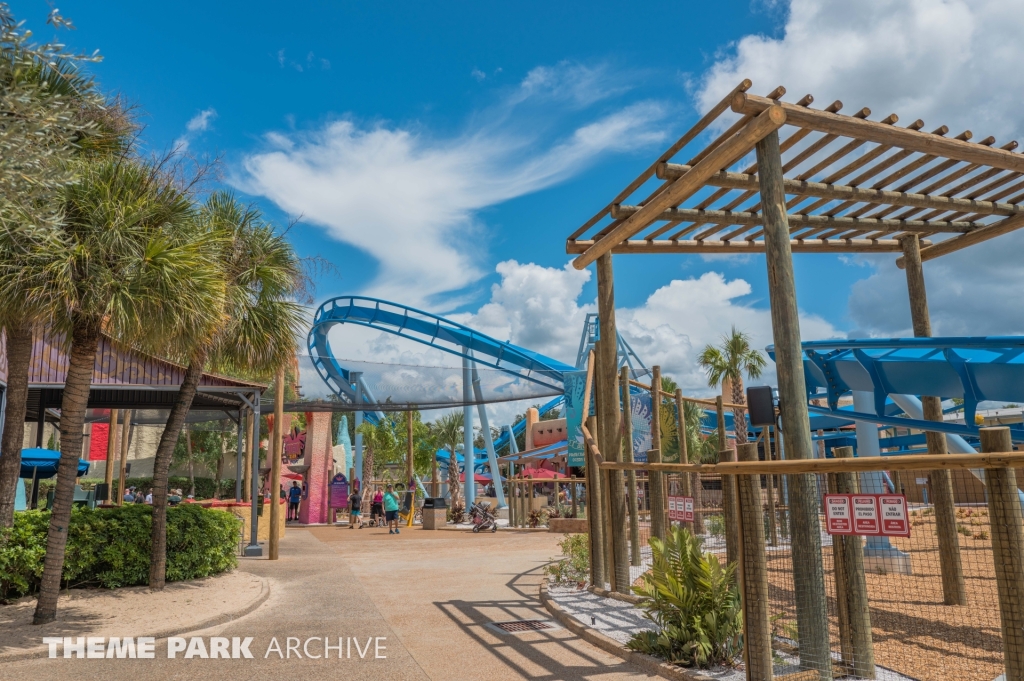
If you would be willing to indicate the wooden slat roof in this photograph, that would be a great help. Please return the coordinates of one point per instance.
(852, 185)
(116, 366)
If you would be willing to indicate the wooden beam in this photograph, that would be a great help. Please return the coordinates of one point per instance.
(723, 156)
(725, 217)
(738, 247)
(864, 464)
(974, 237)
(670, 171)
(692, 133)
(873, 131)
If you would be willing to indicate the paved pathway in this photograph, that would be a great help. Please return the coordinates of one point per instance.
(431, 595)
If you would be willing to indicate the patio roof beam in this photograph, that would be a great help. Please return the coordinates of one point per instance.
(744, 246)
(722, 217)
(873, 131)
(670, 171)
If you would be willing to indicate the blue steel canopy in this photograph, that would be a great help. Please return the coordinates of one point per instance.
(975, 369)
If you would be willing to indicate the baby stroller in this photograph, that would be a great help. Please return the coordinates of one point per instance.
(482, 517)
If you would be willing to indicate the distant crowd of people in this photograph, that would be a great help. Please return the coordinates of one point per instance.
(136, 495)
(383, 504)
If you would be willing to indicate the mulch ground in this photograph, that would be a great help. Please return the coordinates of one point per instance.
(914, 633)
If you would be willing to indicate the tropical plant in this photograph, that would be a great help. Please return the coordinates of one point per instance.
(121, 260)
(252, 327)
(51, 113)
(380, 442)
(448, 430)
(725, 366)
(694, 602)
(574, 566)
(199, 447)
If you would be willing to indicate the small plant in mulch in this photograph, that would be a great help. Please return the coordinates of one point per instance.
(537, 518)
(694, 601)
(963, 529)
(457, 513)
(574, 566)
(981, 535)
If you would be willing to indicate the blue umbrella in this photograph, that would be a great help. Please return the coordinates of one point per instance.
(42, 463)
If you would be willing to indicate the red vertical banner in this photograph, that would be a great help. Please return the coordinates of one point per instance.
(98, 442)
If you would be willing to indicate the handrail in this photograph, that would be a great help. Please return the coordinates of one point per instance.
(855, 465)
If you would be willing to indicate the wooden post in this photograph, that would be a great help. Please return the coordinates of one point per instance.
(409, 472)
(773, 524)
(126, 422)
(597, 564)
(276, 450)
(608, 407)
(757, 627)
(808, 571)
(684, 455)
(108, 472)
(615, 582)
(954, 591)
(1007, 550)
(247, 469)
(655, 479)
(627, 456)
(851, 587)
(573, 481)
(730, 510)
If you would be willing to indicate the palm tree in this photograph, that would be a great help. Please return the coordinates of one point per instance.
(379, 445)
(725, 366)
(449, 432)
(253, 331)
(50, 116)
(120, 261)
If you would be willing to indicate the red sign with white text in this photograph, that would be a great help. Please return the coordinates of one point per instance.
(681, 509)
(867, 514)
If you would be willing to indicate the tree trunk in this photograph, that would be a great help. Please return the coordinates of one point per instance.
(217, 474)
(738, 419)
(162, 464)
(85, 337)
(453, 477)
(19, 358)
(191, 462)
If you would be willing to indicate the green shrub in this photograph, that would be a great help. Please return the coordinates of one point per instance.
(574, 567)
(715, 525)
(694, 601)
(110, 547)
(205, 487)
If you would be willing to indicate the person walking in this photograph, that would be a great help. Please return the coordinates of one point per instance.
(377, 506)
(355, 500)
(391, 509)
(294, 497)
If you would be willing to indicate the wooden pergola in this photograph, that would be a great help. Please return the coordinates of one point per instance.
(822, 182)
(851, 185)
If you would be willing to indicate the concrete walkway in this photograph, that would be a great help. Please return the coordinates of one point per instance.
(427, 596)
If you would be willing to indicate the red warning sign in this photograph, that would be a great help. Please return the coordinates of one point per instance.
(867, 514)
(680, 509)
(838, 518)
(894, 515)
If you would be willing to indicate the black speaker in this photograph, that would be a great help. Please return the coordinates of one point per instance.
(760, 405)
(102, 491)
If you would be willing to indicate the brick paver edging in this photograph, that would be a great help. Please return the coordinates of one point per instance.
(222, 618)
(647, 663)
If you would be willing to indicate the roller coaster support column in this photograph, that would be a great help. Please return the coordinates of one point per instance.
(879, 554)
(485, 430)
(808, 572)
(953, 590)
(469, 464)
(355, 377)
(609, 437)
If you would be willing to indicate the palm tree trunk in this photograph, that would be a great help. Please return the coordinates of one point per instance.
(738, 414)
(85, 337)
(162, 464)
(19, 358)
(191, 462)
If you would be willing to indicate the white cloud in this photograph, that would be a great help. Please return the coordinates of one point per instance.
(953, 62)
(945, 61)
(197, 124)
(478, 75)
(410, 200)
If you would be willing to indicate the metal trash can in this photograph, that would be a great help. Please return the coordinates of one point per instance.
(435, 513)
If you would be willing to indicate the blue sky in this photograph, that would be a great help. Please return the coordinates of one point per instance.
(477, 133)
